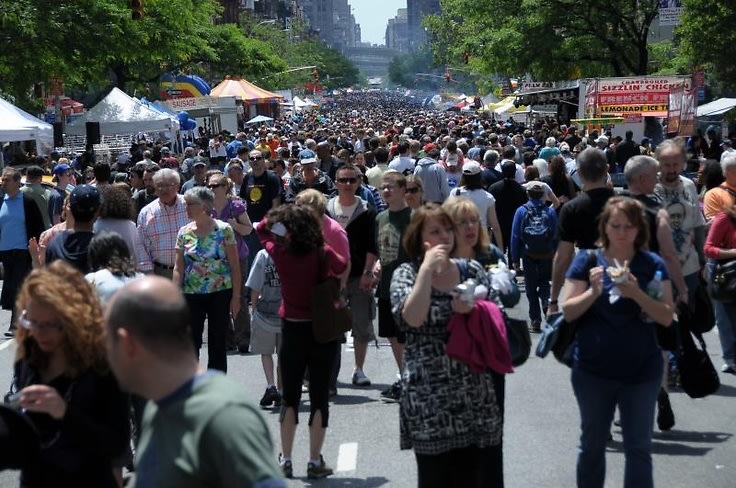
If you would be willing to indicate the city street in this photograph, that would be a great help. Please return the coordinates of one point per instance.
(540, 433)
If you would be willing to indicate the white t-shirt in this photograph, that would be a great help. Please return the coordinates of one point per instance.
(402, 164)
(107, 283)
(264, 278)
(481, 198)
(343, 214)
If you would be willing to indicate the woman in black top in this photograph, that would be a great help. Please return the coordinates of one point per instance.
(559, 181)
(65, 386)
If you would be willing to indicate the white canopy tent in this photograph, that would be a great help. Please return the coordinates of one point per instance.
(17, 125)
(119, 113)
(716, 107)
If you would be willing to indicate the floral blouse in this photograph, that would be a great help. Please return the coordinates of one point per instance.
(206, 269)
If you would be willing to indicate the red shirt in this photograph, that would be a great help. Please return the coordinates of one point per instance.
(298, 274)
(722, 235)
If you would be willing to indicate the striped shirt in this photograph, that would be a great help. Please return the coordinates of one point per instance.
(158, 225)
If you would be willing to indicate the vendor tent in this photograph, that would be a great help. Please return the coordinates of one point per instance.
(245, 91)
(17, 125)
(259, 119)
(716, 107)
(119, 113)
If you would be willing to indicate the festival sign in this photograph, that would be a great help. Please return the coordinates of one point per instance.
(675, 110)
(643, 95)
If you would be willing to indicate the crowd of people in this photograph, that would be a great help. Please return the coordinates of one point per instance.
(401, 204)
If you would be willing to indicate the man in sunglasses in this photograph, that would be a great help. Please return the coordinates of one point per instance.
(358, 218)
(261, 190)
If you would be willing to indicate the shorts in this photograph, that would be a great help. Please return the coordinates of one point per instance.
(263, 340)
(363, 307)
(386, 324)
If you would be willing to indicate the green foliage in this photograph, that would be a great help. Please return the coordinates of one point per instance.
(707, 38)
(547, 39)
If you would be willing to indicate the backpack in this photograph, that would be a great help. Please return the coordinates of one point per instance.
(537, 233)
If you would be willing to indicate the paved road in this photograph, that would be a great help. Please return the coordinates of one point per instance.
(540, 434)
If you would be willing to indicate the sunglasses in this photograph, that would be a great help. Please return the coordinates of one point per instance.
(347, 181)
(212, 187)
(255, 158)
(414, 189)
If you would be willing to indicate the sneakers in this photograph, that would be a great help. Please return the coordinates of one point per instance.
(392, 393)
(665, 415)
(536, 326)
(360, 379)
(286, 467)
(728, 368)
(271, 396)
(318, 471)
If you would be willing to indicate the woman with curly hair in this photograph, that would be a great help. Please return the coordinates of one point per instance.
(293, 237)
(64, 384)
(116, 215)
(111, 264)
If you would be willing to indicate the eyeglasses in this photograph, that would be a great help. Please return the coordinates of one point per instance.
(347, 181)
(255, 158)
(468, 223)
(413, 189)
(212, 187)
(29, 324)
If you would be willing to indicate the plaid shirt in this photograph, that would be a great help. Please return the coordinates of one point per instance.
(158, 226)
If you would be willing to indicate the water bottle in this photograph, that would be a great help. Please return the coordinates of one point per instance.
(654, 290)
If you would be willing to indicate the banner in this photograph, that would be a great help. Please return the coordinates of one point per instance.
(670, 12)
(688, 113)
(591, 94)
(643, 95)
(675, 110)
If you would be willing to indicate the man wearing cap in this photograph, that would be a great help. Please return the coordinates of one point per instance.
(309, 176)
(199, 173)
(168, 160)
(186, 165)
(71, 245)
(158, 224)
(199, 428)
(40, 194)
(20, 220)
(63, 175)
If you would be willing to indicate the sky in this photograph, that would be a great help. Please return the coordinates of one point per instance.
(373, 15)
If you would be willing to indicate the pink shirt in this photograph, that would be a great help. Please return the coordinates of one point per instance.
(336, 236)
(722, 235)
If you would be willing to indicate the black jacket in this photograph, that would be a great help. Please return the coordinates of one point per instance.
(34, 219)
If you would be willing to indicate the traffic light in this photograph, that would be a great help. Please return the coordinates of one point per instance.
(136, 7)
(448, 77)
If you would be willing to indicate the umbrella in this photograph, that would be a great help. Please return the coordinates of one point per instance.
(258, 119)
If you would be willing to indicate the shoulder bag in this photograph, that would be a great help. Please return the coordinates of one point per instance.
(723, 281)
(331, 315)
(698, 377)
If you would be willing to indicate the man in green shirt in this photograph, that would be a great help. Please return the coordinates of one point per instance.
(198, 429)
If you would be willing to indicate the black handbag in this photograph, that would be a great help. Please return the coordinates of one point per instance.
(723, 281)
(698, 377)
(331, 316)
(702, 317)
(520, 341)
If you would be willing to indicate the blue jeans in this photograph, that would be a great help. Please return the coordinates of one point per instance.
(537, 273)
(726, 322)
(597, 399)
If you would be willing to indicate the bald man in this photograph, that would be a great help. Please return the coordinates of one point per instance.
(198, 429)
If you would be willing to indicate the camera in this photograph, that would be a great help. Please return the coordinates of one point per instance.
(465, 291)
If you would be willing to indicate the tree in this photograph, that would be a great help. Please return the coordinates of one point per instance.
(92, 44)
(547, 39)
(707, 38)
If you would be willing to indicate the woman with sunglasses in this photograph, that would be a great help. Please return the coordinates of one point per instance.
(64, 384)
(232, 210)
(414, 192)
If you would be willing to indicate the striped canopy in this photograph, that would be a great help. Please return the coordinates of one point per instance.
(245, 91)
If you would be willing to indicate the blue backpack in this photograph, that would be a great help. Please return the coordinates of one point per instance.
(537, 233)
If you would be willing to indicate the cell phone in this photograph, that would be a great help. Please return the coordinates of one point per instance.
(278, 229)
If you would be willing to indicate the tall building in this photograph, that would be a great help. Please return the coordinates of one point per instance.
(397, 31)
(416, 10)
